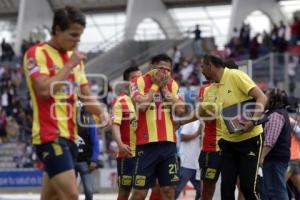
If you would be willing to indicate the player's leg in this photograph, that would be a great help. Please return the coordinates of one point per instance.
(125, 167)
(168, 170)
(145, 168)
(58, 158)
(209, 163)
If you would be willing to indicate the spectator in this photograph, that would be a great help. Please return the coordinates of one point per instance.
(254, 47)
(3, 124)
(189, 151)
(276, 149)
(295, 30)
(197, 45)
(291, 67)
(176, 55)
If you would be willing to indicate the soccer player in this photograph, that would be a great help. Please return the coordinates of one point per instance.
(154, 94)
(210, 156)
(54, 72)
(123, 129)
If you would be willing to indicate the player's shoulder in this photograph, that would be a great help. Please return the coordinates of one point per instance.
(36, 47)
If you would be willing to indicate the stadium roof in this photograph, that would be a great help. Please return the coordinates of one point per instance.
(10, 7)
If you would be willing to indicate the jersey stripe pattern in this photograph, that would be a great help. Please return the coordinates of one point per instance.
(55, 116)
(156, 123)
(124, 115)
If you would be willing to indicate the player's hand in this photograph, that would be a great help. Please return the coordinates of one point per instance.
(177, 125)
(248, 125)
(156, 78)
(105, 120)
(125, 150)
(76, 58)
(166, 93)
(92, 166)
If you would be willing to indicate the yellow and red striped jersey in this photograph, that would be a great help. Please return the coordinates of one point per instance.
(156, 123)
(212, 129)
(124, 115)
(56, 116)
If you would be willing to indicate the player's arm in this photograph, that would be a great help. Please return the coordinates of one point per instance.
(93, 136)
(123, 148)
(198, 113)
(174, 99)
(189, 137)
(246, 85)
(93, 106)
(45, 85)
(142, 99)
(261, 101)
(116, 130)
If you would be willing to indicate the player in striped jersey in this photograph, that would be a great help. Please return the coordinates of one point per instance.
(54, 72)
(154, 94)
(124, 126)
(209, 160)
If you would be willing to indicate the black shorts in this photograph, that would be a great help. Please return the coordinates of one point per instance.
(157, 160)
(210, 165)
(57, 156)
(125, 167)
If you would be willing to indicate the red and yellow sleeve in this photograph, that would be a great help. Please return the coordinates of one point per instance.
(35, 62)
(175, 89)
(137, 87)
(117, 112)
(82, 77)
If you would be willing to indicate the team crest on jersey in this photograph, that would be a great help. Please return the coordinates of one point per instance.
(32, 66)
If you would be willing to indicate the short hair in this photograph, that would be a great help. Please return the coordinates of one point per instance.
(214, 60)
(277, 98)
(161, 57)
(127, 72)
(66, 16)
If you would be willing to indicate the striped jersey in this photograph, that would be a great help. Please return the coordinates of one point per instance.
(156, 123)
(124, 115)
(212, 129)
(56, 116)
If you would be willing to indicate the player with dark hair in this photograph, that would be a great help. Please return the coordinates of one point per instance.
(123, 129)
(54, 72)
(154, 94)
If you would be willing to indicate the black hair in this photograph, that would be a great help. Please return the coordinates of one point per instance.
(66, 16)
(127, 72)
(277, 99)
(214, 60)
(230, 64)
(161, 57)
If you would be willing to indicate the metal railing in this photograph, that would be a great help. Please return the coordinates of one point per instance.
(272, 69)
(142, 35)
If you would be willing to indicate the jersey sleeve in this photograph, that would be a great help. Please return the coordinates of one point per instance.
(136, 87)
(82, 76)
(35, 63)
(175, 89)
(243, 81)
(208, 103)
(117, 112)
